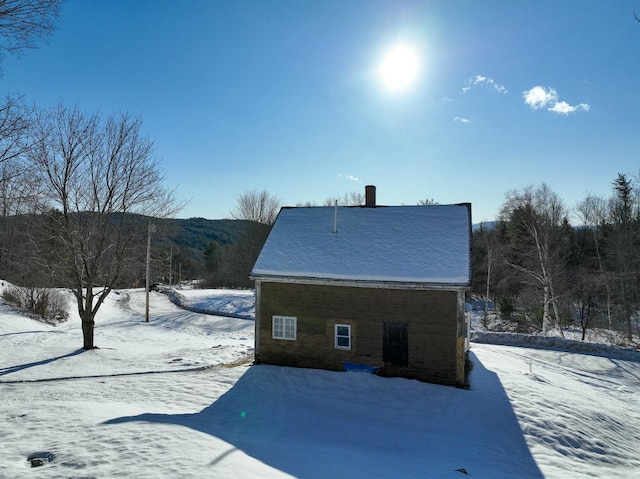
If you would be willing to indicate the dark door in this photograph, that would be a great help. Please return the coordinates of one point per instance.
(395, 347)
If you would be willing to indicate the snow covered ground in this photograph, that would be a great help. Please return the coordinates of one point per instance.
(178, 397)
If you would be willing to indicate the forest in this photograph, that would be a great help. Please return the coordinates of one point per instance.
(543, 272)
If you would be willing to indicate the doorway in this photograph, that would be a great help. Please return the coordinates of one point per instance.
(395, 346)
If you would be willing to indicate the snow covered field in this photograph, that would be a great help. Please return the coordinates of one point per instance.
(178, 397)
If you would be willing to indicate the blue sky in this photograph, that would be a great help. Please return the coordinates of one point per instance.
(284, 95)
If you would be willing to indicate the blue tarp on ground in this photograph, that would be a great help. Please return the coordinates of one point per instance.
(360, 368)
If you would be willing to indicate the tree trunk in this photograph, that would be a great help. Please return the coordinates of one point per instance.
(604, 277)
(87, 332)
(486, 299)
(626, 304)
(556, 311)
(87, 316)
(585, 317)
(545, 311)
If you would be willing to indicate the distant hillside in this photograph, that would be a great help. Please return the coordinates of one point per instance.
(197, 233)
(186, 239)
(484, 224)
(177, 244)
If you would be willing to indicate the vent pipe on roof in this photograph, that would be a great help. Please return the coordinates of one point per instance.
(370, 196)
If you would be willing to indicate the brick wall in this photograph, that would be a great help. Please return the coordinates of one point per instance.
(432, 318)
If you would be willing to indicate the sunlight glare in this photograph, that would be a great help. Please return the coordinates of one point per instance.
(399, 68)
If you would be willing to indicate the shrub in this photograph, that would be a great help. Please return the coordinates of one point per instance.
(48, 305)
(10, 297)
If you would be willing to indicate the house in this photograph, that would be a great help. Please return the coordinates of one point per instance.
(376, 286)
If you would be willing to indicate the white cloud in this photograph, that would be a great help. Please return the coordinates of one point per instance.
(564, 108)
(349, 177)
(540, 97)
(482, 80)
(459, 119)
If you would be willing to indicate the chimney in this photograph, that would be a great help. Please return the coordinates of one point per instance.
(370, 196)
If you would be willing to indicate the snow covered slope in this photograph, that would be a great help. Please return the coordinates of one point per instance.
(158, 401)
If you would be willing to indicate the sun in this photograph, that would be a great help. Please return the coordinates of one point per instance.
(399, 68)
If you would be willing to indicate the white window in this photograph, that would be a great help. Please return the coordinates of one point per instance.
(343, 336)
(285, 327)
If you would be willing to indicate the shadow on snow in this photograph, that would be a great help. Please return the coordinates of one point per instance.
(318, 424)
(20, 367)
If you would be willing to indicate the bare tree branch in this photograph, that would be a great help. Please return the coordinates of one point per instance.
(25, 22)
(259, 206)
(352, 198)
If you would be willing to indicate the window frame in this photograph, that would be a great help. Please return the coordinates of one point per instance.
(336, 336)
(285, 321)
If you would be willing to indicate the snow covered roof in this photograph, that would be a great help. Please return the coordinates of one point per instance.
(388, 244)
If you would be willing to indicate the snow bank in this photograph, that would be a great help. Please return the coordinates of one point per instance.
(556, 343)
(221, 302)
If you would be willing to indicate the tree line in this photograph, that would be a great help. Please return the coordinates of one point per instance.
(542, 272)
(533, 269)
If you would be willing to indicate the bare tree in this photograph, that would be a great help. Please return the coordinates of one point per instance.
(16, 121)
(19, 191)
(427, 202)
(537, 215)
(352, 198)
(24, 22)
(259, 206)
(98, 173)
(593, 212)
(485, 246)
(258, 210)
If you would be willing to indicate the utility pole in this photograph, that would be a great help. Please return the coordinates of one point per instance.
(170, 265)
(151, 229)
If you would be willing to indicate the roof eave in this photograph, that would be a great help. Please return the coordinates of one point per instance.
(417, 285)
